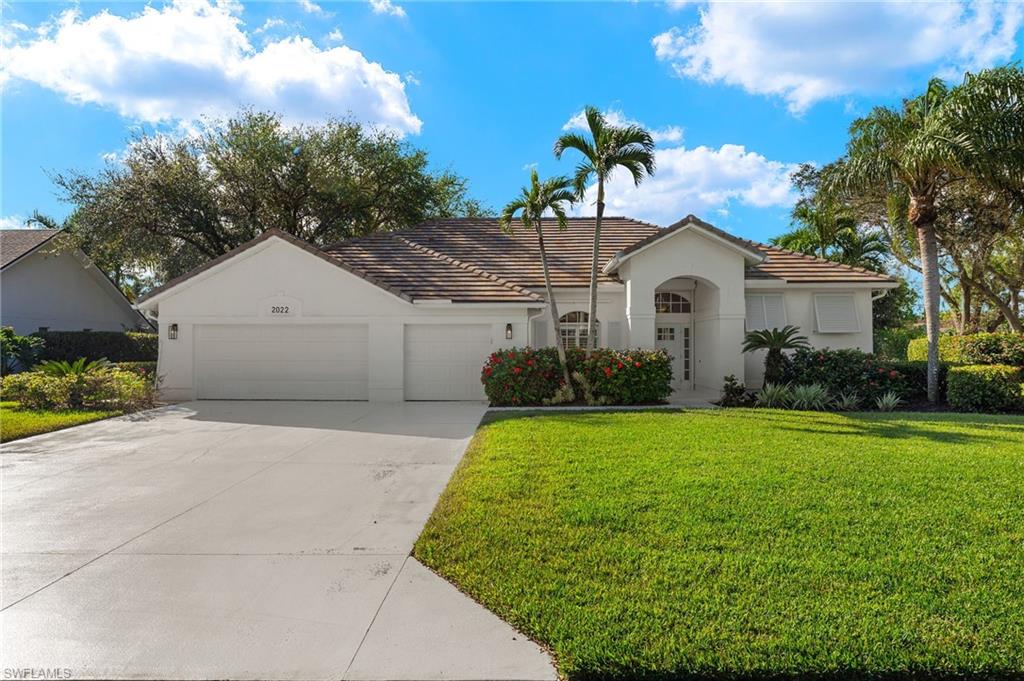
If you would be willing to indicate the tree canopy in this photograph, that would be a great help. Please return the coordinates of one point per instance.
(169, 204)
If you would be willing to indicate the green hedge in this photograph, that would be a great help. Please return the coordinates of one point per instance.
(117, 346)
(146, 369)
(986, 388)
(892, 343)
(915, 375)
(977, 348)
(949, 349)
(847, 372)
(105, 389)
(528, 376)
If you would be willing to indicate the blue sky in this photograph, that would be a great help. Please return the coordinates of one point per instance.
(737, 94)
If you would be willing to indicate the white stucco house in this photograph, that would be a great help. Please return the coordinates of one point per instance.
(413, 314)
(47, 287)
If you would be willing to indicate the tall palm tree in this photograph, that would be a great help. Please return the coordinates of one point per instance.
(533, 201)
(824, 220)
(608, 147)
(974, 131)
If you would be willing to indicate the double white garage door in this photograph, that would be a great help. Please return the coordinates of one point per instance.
(332, 362)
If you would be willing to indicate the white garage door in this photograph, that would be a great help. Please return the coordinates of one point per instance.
(443, 362)
(282, 362)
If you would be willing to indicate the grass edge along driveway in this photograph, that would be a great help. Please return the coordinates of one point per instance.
(16, 422)
(746, 543)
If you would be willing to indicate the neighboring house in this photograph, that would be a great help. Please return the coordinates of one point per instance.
(46, 287)
(413, 314)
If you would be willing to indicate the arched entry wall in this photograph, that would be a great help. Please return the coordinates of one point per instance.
(714, 271)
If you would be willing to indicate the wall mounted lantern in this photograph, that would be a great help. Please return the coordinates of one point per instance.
(172, 331)
(508, 332)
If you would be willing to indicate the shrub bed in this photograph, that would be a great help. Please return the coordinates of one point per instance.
(117, 346)
(145, 369)
(977, 348)
(108, 389)
(529, 376)
(986, 388)
(844, 372)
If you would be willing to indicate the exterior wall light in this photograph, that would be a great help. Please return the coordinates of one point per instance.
(172, 331)
(508, 332)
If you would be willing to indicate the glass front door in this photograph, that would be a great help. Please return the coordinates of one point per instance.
(675, 340)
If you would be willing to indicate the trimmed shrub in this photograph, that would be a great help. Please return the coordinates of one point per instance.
(986, 388)
(993, 348)
(845, 371)
(735, 394)
(117, 346)
(111, 389)
(950, 350)
(17, 353)
(916, 376)
(145, 369)
(531, 376)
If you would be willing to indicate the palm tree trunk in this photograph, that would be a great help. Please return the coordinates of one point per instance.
(553, 308)
(592, 318)
(925, 226)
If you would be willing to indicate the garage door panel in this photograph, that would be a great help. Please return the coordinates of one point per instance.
(278, 361)
(443, 362)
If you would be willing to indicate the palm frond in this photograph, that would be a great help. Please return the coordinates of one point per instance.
(574, 140)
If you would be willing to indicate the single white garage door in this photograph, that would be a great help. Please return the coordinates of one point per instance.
(282, 362)
(443, 361)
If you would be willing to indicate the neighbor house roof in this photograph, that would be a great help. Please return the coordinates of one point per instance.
(17, 243)
(472, 260)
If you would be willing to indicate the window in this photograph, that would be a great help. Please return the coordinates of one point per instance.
(765, 311)
(574, 329)
(666, 333)
(666, 302)
(836, 313)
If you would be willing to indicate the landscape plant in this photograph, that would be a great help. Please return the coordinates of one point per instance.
(776, 341)
(809, 397)
(774, 395)
(986, 388)
(608, 148)
(888, 401)
(552, 195)
(17, 352)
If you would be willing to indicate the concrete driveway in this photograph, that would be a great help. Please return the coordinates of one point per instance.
(242, 540)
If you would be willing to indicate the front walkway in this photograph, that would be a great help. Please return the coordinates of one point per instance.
(243, 540)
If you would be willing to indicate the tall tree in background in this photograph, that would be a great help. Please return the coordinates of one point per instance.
(171, 204)
(947, 135)
(608, 148)
(552, 196)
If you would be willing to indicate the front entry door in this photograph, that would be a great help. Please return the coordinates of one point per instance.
(675, 340)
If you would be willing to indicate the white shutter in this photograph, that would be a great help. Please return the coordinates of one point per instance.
(774, 312)
(836, 313)
(755, 313)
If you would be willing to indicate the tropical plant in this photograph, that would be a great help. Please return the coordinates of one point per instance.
(775, 341)
(17, 352)
(80, 367)
(889, 401)
(811, 397)
(773, 396)
(974, 131)
(847, 401)
(608, 147)
(538, 198)
(734, 393)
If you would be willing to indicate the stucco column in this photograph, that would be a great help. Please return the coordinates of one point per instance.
(639, 315)
(387, 361)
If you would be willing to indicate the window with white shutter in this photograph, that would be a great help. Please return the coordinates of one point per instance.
(765, 311)
(836, 313)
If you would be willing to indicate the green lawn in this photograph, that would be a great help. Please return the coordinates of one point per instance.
(745, 543)
(16, 422)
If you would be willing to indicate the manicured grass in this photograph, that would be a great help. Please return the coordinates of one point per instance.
(16, 422)
(746, 543)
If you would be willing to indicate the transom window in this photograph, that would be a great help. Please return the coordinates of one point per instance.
(667, 302)
(573, 329)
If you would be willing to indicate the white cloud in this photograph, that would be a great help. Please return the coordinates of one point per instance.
(698, 181)
(270, 25)
(13, 222)
(335, 36)
(192, 58)
(806, 52)
(311, 7)
(387, 7)
(671, 133)
(411, 79)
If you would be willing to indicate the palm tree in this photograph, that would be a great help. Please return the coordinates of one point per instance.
(609, 147)
(533, 201)
(774, 341)
(974, 131)
(824, 221)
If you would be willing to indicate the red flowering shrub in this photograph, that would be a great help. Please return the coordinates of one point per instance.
(847, 371)
(528, 376)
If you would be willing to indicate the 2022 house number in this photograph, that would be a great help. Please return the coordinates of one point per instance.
(279, 309)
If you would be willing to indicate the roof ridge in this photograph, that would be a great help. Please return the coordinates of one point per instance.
(808, 256)
(475, 269)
